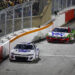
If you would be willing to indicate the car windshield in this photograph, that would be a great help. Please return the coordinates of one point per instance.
(23, 46)
(60, 30)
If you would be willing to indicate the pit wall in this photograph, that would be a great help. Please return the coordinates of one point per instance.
(35, 34)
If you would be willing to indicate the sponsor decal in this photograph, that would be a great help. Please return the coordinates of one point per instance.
(24, 50)
(57, 33)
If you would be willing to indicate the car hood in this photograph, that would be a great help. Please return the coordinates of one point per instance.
(58, 34)
(22, 51)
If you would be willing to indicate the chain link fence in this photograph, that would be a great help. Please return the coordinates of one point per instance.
(20, 16)
(38, 6)
(58, 5)
(16, 18)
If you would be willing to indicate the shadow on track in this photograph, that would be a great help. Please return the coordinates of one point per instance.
(26, 62)
(57, 42)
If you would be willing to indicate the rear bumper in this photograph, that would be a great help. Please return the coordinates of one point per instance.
(51, 39)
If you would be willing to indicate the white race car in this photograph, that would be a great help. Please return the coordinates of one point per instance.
(26, 51)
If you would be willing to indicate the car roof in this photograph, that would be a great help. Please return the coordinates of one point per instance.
(26, 43)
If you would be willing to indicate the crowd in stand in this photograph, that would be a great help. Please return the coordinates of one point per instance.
(36, 5)
(8, 3)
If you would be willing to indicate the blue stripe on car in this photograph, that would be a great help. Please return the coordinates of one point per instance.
(24, 50)
(57, 33)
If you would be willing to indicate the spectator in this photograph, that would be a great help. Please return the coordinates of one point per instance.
(35, 8)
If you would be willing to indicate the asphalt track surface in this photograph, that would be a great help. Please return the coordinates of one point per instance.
(55, 59)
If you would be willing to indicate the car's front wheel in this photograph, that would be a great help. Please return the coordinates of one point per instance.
(10, 60)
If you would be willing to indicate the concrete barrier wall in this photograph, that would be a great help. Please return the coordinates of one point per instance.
(60, 20)
(31, 36)
(69, 15)
(5, 49)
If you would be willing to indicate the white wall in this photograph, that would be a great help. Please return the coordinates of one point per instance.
(5, 49)
(31, 37)
(60, 20)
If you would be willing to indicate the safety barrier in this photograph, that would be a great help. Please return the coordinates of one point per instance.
(31, 35)
(69, 15)
(64, 17)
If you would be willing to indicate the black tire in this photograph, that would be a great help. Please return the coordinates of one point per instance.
(10, 60)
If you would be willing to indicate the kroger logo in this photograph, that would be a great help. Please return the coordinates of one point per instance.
(61, 34)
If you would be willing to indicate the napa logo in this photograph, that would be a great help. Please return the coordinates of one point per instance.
(57, 33)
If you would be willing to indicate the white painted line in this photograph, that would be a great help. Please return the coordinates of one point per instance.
(59, 55)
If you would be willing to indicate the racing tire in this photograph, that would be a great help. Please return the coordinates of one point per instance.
(47, 40)
(68, 41)
(10, 60)
(36, 60)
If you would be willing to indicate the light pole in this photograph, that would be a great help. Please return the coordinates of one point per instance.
(5, 22)
(0, 20)
(58, 4)
(31, 14)
(66, 3)
(71, 2)
(22, 17)
(13, 20)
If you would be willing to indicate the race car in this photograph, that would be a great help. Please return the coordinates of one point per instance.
(25, 51)
(61, 34)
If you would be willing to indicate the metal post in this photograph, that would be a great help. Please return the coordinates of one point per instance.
(0, 25)
(0, 20)
(22, 17)
(55, 6)
(58, 4)
(66, 3)
(52, 6)
(31, 16)
(71, 2)
(13, 20)
(61, 4)
(5, 22)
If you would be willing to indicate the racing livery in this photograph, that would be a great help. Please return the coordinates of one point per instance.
(26, 51)
(61, 34)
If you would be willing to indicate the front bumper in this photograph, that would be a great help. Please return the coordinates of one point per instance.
(22, 57)
(54, 39)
